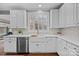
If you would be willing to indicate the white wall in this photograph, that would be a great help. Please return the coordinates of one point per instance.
(15, 31)
(71, 33)
(53, 31)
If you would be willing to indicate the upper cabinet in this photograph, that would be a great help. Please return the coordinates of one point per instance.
(68, 15)
(62, 16)
(54, 18)
(70, 12)
(18, 19)
(77, 13)
(4, 18)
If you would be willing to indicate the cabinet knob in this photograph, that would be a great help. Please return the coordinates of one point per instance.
(37, 44)
(64, 47)
(74, 48)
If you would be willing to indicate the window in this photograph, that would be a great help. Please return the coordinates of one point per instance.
(38, 21)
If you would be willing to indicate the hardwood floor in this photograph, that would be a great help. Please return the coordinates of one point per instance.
(44, 54)
(34, 54)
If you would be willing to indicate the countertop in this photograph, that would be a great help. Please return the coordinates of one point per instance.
(18, 36)
(48, 35)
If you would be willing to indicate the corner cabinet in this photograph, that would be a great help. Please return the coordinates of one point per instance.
(66, 48)
(18, 19)
(67, 15)
(54, 18)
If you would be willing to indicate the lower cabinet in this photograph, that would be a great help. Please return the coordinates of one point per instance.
(61, 47)
(42, 45)
(37, 48)
(65, 48)
(10, 45)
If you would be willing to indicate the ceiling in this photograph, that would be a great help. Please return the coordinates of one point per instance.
(29, 6)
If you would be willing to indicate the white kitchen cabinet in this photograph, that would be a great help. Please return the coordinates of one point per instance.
(51, 44)
(70, 14)
(37, 45)
(42, 45)
(66, 48)
(37, 48)
(62, 16)
(72, 49)
(61, 47)
(18, 19)
(77, 5)
(10, 45)
(67, 15)
(54, 18)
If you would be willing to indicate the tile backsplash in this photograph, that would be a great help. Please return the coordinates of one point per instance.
(53, 31)
(20, 31)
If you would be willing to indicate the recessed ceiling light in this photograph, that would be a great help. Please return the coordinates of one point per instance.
(40, 5)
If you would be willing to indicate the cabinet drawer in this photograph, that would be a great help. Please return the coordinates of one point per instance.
(37, 48)
(72, 46)
(38, 40)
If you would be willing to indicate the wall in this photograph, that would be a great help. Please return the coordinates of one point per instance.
(72, 33)
(2, 30)
(53, 31)
(24, 31)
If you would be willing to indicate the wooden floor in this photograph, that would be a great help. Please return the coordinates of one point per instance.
(35, 54)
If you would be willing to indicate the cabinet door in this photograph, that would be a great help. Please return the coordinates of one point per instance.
(10, 44)
(61, 47)
(18, 18)
(37, 47)
(42, 45)
(77, 13)
(54, 18)
(51, 44)
(69, 13)
(61, 17)
(64, 47)
(51, 13)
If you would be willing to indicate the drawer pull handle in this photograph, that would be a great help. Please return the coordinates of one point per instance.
(9, 41)
(74, 48)
(37, 44)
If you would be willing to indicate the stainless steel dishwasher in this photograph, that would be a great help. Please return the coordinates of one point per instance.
(22, 44)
